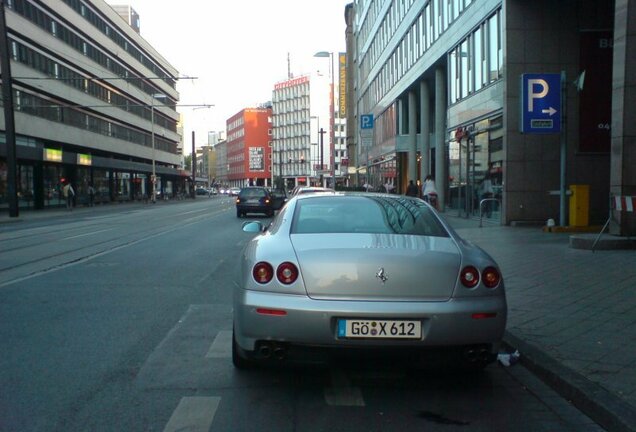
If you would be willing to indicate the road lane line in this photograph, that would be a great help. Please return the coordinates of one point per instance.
(87, 234)
(96, 255)
(222, 345)
(193, 414)
(341, 393)
(193, 211)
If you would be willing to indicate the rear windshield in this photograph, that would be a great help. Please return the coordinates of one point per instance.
(253, 193)
(365, 214)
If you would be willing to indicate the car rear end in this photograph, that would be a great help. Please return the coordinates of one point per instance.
(374, 290)
(254, 200)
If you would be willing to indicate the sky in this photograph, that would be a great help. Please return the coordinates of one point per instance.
(236, 49)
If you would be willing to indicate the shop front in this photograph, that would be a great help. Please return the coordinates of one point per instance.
(41, 173)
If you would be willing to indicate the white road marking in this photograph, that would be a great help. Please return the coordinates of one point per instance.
(222, 345)
(192, 211)
(87, 234)
(97, 255)
(341, 393)
(193, 414)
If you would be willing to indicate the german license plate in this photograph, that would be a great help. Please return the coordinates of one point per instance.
(379, 329)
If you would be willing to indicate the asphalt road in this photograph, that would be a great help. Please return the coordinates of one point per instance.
(120, 320)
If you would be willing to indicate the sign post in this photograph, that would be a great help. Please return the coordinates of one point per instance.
(543, 103)
(366, 134)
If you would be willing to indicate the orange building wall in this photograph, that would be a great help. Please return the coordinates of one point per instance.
(248, 138)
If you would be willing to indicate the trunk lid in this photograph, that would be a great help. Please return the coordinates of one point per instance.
(377, 267)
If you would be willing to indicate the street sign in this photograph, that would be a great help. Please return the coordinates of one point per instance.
(366, 121)
(541, 103)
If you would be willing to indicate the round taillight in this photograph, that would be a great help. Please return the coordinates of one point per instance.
(491, 277)
(287, 273)
(263, 272)
(469, 277)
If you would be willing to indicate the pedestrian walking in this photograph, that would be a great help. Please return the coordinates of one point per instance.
(91, 196)
(411, 189)
(429, 191)
(69, 194)
(486, 191)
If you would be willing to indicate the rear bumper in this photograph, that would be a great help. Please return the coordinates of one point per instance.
(314, 322)
(254, 208)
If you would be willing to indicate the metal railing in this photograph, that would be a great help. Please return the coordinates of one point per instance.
(481, 207)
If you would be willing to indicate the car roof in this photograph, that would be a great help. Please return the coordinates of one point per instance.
(310, 189)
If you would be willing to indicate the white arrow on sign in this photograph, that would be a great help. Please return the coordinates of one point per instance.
(550, 111)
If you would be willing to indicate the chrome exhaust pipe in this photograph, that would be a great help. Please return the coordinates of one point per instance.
(279, 353)
(484, 355)
(265, 351)
(471, 355)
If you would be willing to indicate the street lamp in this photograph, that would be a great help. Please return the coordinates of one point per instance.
(332, 135)
(194, 155)
(320, 133)
(152, 135)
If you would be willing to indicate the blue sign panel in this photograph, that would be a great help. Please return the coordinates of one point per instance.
(366, 121)
(541, 103)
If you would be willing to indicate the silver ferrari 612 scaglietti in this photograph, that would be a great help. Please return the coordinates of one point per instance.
(365, 272)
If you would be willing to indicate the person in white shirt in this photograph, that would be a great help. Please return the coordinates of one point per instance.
(487, 192)
(429, 191)
(69, 194)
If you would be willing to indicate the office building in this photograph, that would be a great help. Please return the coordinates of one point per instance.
(93, 103)
(310, 127)
(249, 147)
(533, 95)
(128, 14)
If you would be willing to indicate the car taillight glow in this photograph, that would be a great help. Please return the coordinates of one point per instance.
(491, 277)
(275, 312)
(263, 272)
(469, 277)
(484, 315)
(287, 273)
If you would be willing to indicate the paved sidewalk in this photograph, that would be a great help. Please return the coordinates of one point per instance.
(571, 315)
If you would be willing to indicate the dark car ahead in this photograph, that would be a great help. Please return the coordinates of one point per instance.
(279, 197)
(254, 199)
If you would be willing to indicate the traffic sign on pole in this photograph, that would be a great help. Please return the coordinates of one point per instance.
(541, 103)
(366, 121)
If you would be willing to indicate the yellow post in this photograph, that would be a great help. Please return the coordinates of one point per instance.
(579, 205)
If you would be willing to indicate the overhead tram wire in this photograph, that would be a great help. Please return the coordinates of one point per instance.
(104, 78)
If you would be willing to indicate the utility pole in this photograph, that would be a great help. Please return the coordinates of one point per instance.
(322, 132)
(194, 169)
(9, 121)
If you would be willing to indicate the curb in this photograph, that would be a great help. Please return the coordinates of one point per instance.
(601, 242)
(606, 409)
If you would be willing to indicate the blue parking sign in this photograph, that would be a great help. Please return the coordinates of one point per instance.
(366, 121)
(541, 103)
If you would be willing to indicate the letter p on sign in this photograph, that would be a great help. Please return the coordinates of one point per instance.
(366, 121)
(536, 84)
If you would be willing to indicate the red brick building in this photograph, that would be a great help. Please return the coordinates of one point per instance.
(249, 147)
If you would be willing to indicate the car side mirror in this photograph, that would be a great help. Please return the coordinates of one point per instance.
(253, 227)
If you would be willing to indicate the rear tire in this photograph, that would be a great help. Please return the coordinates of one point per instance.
(238, 358)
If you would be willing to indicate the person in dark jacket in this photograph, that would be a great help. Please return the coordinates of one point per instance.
(411, 189)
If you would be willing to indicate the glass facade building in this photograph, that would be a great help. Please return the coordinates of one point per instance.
(94, 104)
(442, 80)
